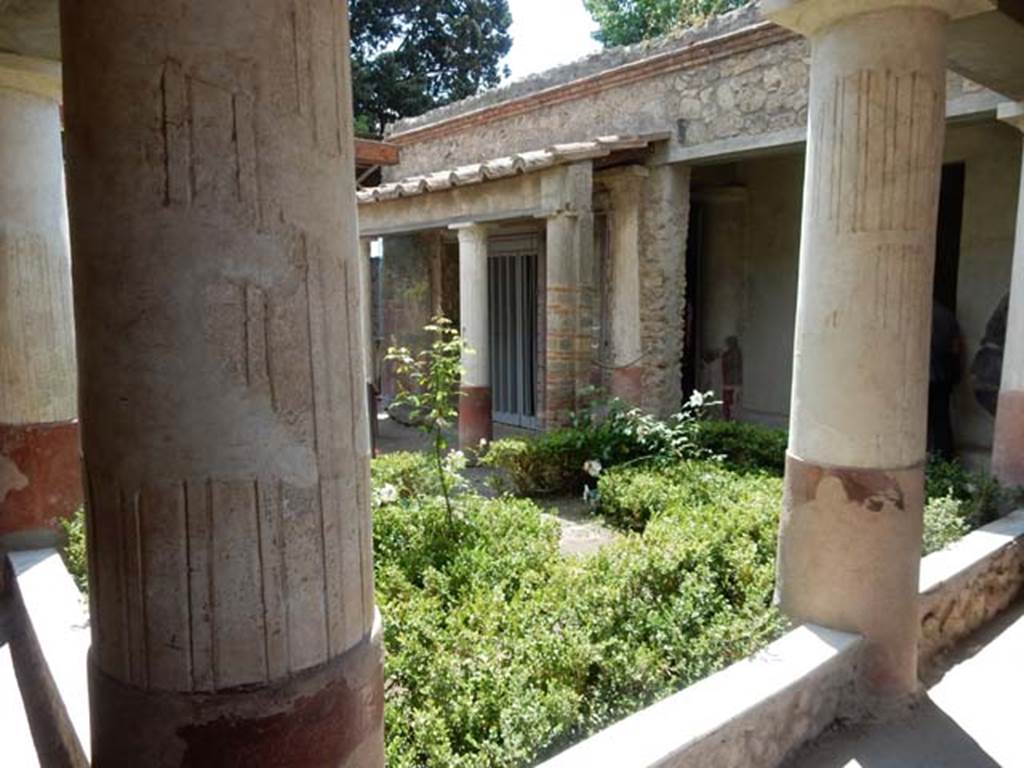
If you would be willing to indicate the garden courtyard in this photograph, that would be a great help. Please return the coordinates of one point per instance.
(225, 226)
(505, 645)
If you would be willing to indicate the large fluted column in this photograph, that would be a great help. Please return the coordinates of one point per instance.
(626, 188)
(1008, 442)
(222, 391)
(40, 469)
(475, 422)
(850, 539)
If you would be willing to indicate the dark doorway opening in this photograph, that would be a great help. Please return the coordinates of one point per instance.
(945, 364)
(947, 241)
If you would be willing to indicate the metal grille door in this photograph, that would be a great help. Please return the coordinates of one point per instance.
(512, 285)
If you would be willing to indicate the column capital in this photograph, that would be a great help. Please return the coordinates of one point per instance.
(1012, 112)
(40, 77)
(811, 16)
(470, 233)
(623, 174)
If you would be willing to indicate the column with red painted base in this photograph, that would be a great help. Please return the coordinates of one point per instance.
(850, 535)
(475, 420)
(1008, 442)
(40, 468)
(223, 396)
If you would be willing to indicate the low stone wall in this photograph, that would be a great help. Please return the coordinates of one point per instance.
(751, 714)
(50, 652)
(967, 584)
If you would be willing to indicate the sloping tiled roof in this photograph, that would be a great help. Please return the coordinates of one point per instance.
(502, 167)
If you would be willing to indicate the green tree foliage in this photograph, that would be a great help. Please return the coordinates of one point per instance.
(623, 22)
(408, 57)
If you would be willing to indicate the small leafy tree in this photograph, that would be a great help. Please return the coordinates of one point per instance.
(428, 385)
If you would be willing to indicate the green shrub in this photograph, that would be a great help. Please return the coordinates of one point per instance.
(745, 447)
(409, 473)
(945, 521)
(611, 435)
(980, 494)
(73, 550)
(617, 434)
(501, 652)
(551, 463)
(629, 497)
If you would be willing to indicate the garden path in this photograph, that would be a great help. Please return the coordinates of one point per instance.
(581, 533)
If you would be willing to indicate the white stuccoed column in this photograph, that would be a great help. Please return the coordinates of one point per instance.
(366, 316)
(626, 187)
(475, 422)
(1008, 441)
(850, 537)
(40, 466)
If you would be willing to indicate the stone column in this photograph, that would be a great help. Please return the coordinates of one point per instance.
(40, 469)
(569, 287)
(663, 310)
(222, 390)
(1008, 442)
(625, 187)
(475, 423)
(850, 539)
(369, 345)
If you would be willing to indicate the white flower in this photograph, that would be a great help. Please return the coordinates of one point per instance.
(592, 467)
(387, 494)
(483, 443)
(456, 461)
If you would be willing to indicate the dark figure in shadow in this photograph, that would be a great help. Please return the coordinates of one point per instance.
(943, 376)
(987, 366)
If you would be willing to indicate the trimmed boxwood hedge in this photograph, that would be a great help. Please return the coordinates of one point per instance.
(501, 652)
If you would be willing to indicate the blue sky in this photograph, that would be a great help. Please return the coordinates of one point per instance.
(548, 32)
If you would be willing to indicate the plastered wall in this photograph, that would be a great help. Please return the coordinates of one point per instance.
(753, 207)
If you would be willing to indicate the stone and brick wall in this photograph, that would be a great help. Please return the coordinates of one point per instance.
(407, 300)
(666, 209)
(738, 77)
